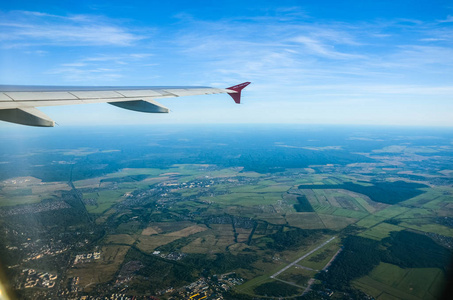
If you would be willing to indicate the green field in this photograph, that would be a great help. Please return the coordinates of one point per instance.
(370, 221)
(19, 199)
(434, 228)
(380, 231)
(105, 200)
(305, 220)
(121, 239)
(401, 283)
(392, 211)
(319, 259)
(246, 199)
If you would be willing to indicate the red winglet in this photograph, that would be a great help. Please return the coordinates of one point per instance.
(238, 88)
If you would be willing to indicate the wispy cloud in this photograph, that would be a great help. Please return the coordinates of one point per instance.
(316, 46)
(449, 19)
(25, 28)
(107, 67)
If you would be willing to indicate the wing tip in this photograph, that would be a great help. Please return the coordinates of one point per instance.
(236, 95)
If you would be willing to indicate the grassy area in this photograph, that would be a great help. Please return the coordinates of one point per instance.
(104, 200)
(162, 234)
(297, 275)
(261, 188)
(28, 190)
(380, 231)
(99, 271)
(319, 259)
(370, 221)
(120, 239)
(245, 199)
(365, 204)
(388, 274)
(18, 200)
(391, 211)
(305, 220)
(418, 281)
(336, 222)
(214, 240)
(205, 244)
(387, 281)
(434, 228)
(416, 213)
(149, 243)
(375, 288)
(137, 171)
(249, 286)
(349, 213)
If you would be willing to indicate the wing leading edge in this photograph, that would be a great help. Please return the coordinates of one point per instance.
(17, 103)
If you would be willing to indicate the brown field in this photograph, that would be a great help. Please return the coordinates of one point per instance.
(272, 218)
(205, 244)
(166, 227)
(212, 241)
(120, 239)
(151, 230)
(238, 248)
(243, 234)
(149, 243)
(50, 188)
(92, 182)
(188, 231)
(242, 238)
(35, 184)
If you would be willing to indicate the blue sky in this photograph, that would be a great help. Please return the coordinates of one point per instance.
(316, 62)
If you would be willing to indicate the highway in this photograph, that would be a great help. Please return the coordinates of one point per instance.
(302, 257)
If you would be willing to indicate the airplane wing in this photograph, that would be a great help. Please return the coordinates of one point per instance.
(17, 103)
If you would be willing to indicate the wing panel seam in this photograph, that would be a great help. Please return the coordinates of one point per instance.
(74, 95)
(8, 96)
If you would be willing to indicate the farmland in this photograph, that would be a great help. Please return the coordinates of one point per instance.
(163, 217)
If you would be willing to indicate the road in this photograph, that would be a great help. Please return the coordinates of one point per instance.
(302, 257)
